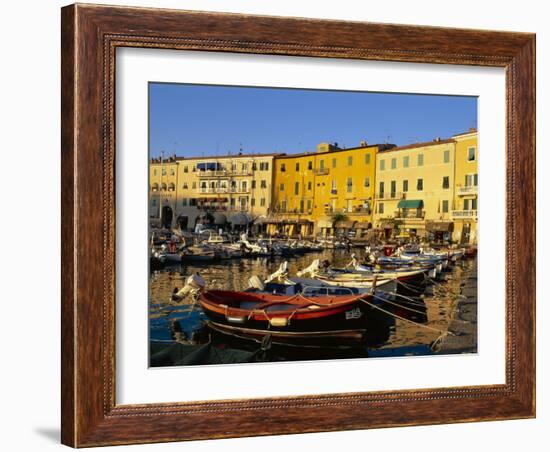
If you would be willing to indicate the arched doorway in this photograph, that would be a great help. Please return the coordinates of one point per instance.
(166, 217)
(183, 221)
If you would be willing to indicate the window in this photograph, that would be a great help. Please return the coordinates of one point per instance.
(367, 159)
(252, 202)
(192, 201)
(172, 172)
(420, 184)
(283, 206)
(185, 169)
(367, 181)
(194, 186)
(155, 202)
(262, 202)
(232, 202)
(445, 206)
(244, 185)
(282, 187)
(405, 186)
(446, 156)
(420, 159)
(253, 184)
(297, 166)
(184, 202)
(309, 204)
(350, 160)
(466, 204)
(471, 154)
(393, 163)
(244, 167)
(283, 168)
(310, 165)
(475, 179)
(393, 188)
(254, 166)
(164, 171)
(333, 189)
(263, 184)
(301, 206)
(406, 162)
(380, 207)
(474, 204)
(382, 165)
(233, 184)
(321, 165)
(381, 189)
(334, 163)
(350, 185)
(309, 185)
(297, 188)
(445, 182)
(233, 167)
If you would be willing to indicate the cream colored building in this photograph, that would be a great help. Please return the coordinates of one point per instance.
(464, 213)
(233, 188)
(415, 187)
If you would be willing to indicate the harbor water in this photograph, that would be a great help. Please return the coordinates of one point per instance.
(407, 326)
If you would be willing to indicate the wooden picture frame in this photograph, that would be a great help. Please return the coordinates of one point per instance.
(90, 36)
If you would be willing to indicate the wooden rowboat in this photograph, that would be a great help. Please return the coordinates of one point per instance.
(296, 318)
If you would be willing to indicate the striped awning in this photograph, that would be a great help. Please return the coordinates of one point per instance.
(362, 225)
(344, 224)
(410, 204)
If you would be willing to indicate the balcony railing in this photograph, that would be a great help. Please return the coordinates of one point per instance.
(224, 190)
(224, 173)
(409, 213)
(321, 171)
(469, 190)
(464, 214)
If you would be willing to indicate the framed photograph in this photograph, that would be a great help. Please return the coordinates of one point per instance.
(282, 225)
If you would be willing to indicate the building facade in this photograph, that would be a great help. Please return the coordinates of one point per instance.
(415, 188)
(464, 212)
(235, 189)
(311, 190)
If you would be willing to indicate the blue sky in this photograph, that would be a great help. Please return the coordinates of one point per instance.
(201, 120)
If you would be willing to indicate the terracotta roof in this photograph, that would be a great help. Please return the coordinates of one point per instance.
(472, 130)
(313, 153)
(420, 145)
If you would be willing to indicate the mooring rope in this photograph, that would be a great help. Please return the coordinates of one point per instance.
(385, 300)
(391, 314)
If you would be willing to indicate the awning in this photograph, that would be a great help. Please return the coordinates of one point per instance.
(240, 219)
(387, 225)
(362, 225)
(219, 218)
(440, 226)
(410, 204)
(324, 224)
(344, 224)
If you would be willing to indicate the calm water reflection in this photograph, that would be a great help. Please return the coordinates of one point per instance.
(388, 336)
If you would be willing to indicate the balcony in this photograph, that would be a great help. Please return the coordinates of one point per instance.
(224, 173)
(391, 195)
(468, 214)
(321, 171)
(469, 190)
(404, 214)
(217, 190)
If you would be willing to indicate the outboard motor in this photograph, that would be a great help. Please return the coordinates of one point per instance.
(256, 283)
(281, 273)
(312, 269)
(194, 285)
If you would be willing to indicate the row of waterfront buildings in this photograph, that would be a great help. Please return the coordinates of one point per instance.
(420, 189)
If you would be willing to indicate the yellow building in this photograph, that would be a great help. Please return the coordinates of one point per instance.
(415, 189)
(234, 188)
(309, 189)
(464, 212)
